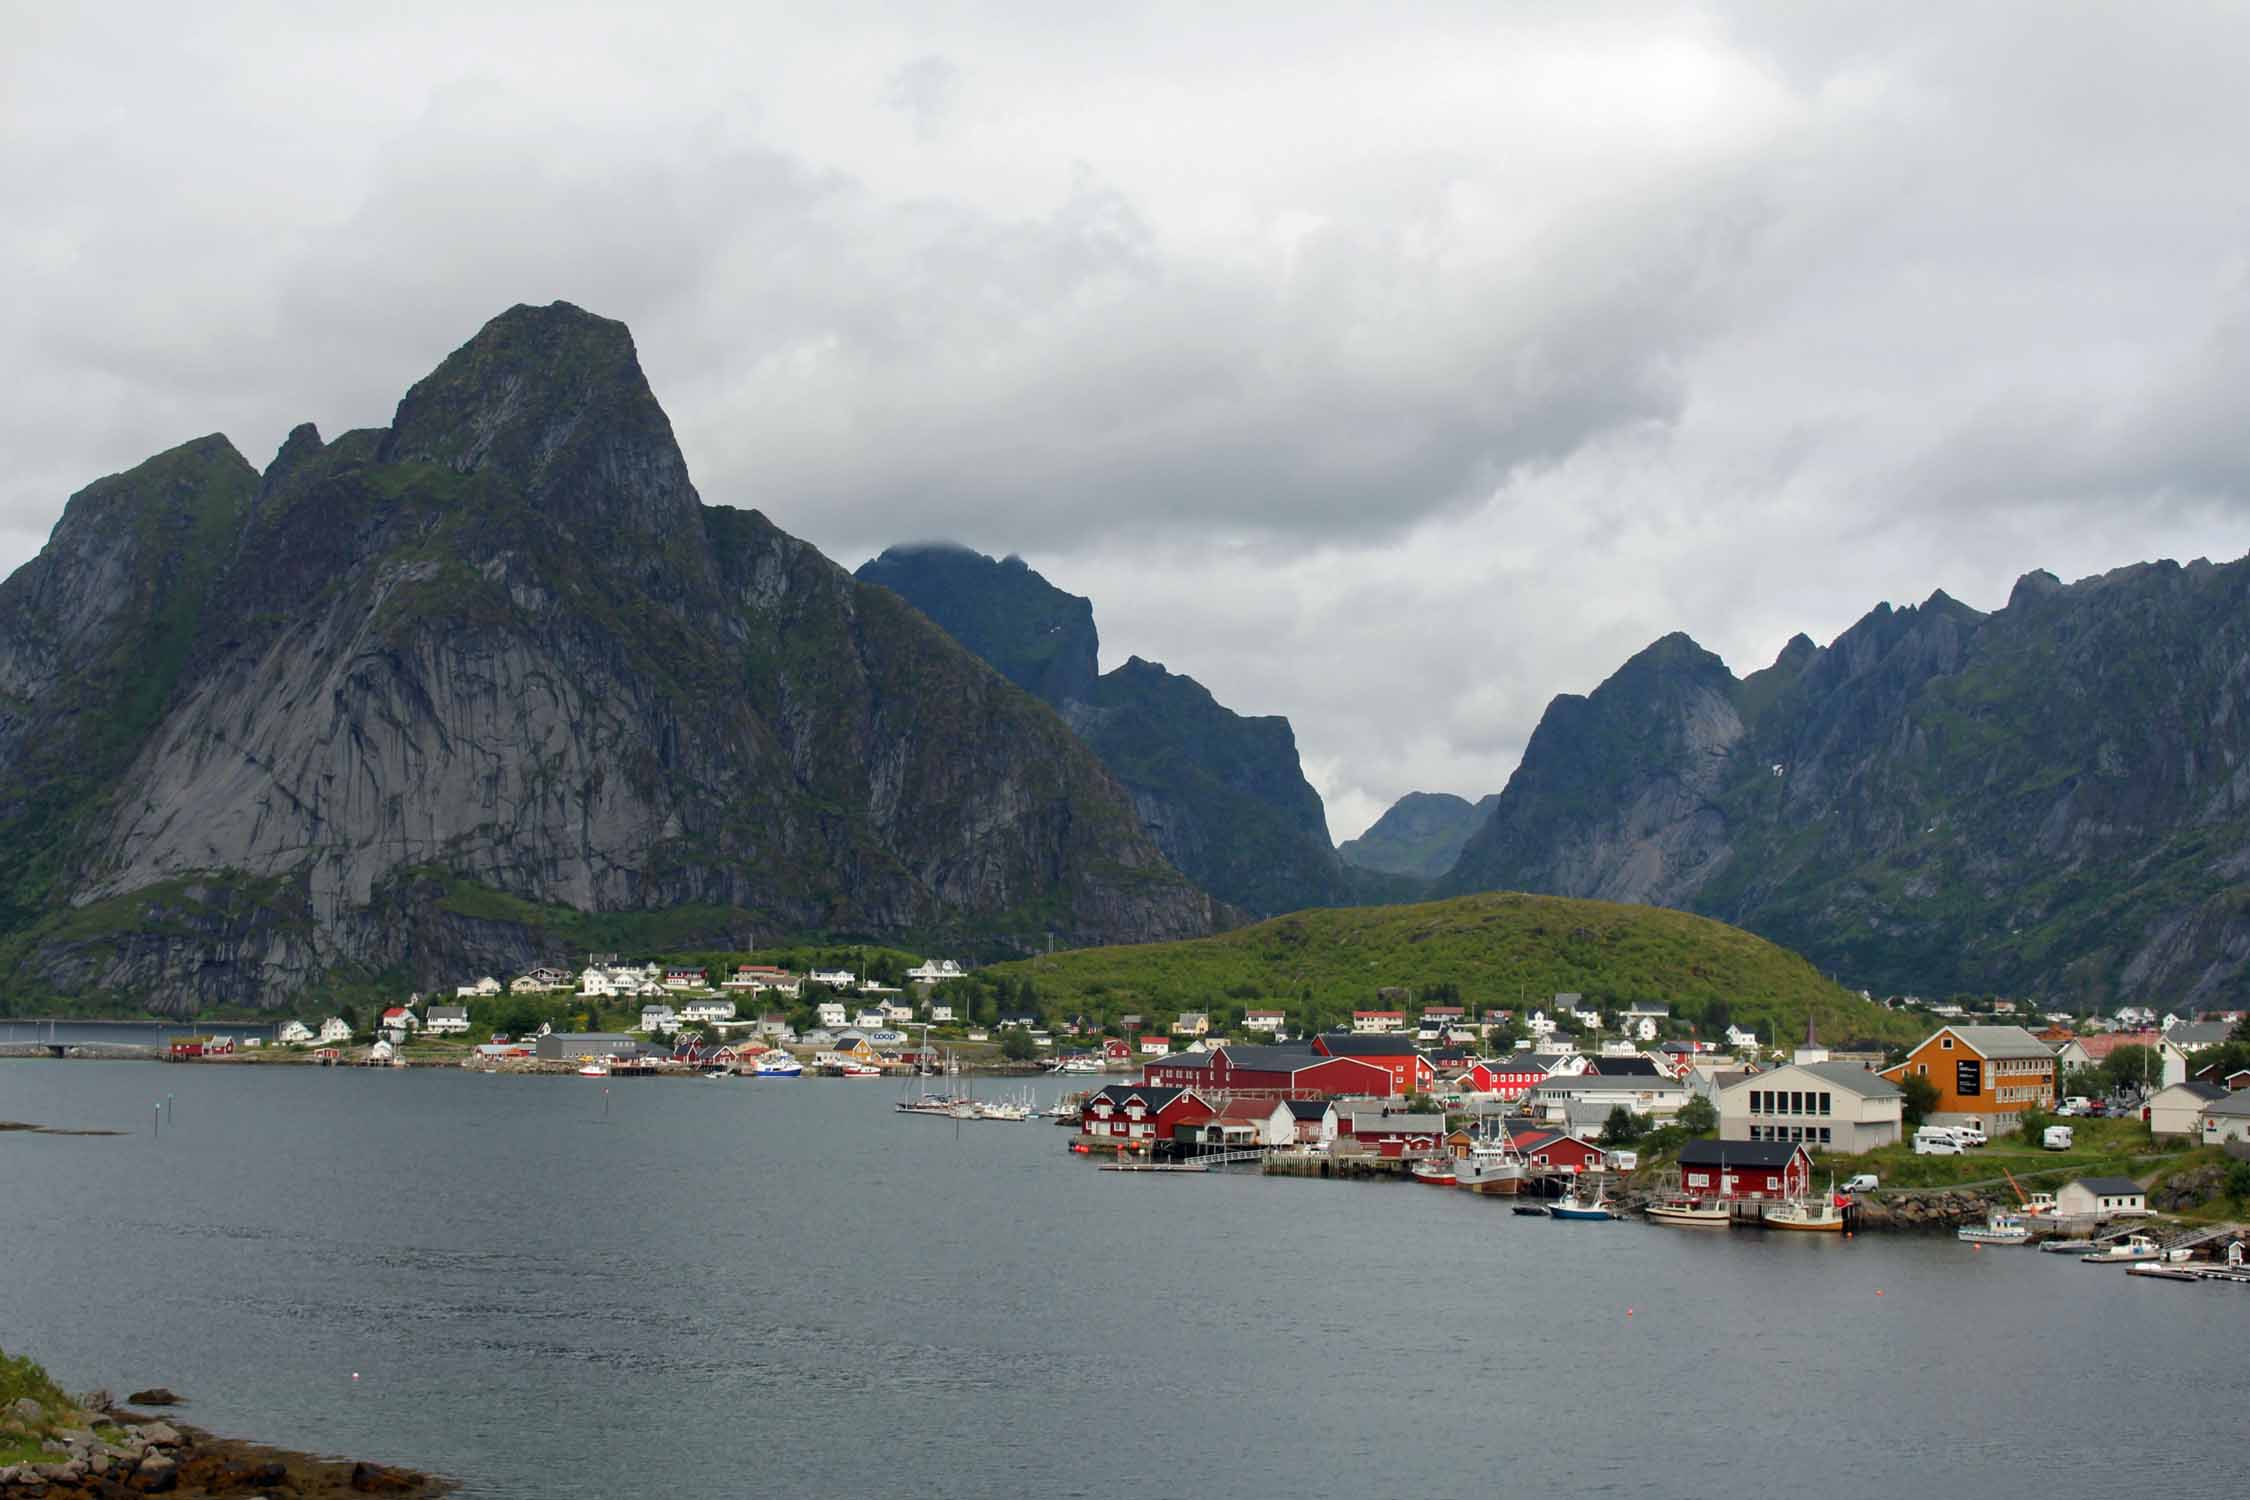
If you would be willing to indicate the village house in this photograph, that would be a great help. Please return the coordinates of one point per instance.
(772, 1025)
(658, 1018)
(1557, 1150)
(2178, 1110)
(1228, 1068)
(1592, 1095)
(685, 979)
(332, 1031)
(1540, 1025)
(1737, 1037)
(895, 1013)
(2101, 1197)
(447, 1020)
(1410, 1071)
(293, 1034)
(713, 1008)
(398, 1024)
(1389, 1132)
(870, 1017)
(2225, 1119)
(1988, 1073)
(1270, 1122)
(539, 981)
(1155, 1046)
(2192, 1037)
(1192, 1023)
(829, 1013)
(1137, 1112)
(1375, 1022)
(934, 970)
(576, 1046)
(483, 987)
(1315, 1120)
(835, 979)
(940, 1015)
(1829, 1106)
(1268, 1021)
(1745, 1169)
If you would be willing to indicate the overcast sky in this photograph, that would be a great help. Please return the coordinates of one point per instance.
(1390, 368)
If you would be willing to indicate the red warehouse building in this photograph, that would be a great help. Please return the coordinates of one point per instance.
(1135, 1112)
(1745, 1169)
(1249, 1068)
(1410, 1071)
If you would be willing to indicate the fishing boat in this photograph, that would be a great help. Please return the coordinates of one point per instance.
(860, 1070)
(777, 1064)
(2132, 1248)
(1437, 1171)
(1999, 1228)
(1576, 1205)
(1491, 1167)
(594, 1067)
(1824, 1215)
(1679, 1209)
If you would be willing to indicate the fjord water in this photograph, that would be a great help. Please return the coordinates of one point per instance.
(785, 1288)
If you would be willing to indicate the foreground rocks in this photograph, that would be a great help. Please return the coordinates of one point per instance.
(111, 1451)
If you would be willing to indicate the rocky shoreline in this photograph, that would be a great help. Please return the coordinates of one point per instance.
(105, 1451)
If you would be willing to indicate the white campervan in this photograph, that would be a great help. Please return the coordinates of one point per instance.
(1936, 1140)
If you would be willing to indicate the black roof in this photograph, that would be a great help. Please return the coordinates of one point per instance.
(1738, 1153)
(1118, 1093)
(1368, 1043)
(1272, 1057)
(1309, 1109)
(1622, 1067)
(2112, 1187)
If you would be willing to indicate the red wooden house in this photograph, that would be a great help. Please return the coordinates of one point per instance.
(1555, 1150)
(1391, 1132)
(1117, 1050)
(1745, 1169)
(1410, 1071)
(1249, 1067)
(1127, 1112)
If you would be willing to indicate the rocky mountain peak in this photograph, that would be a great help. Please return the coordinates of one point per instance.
(552, 398)
(2034, 585)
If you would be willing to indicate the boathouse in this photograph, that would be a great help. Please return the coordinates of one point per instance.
(1138, 1112)
(1745, 1169)
(1410, 1071)
(1275, 1071)
(1391, 1132)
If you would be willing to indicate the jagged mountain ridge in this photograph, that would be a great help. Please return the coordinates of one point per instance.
(2051, 800)
(500, 657)
(1419, 836)
(1223, 794)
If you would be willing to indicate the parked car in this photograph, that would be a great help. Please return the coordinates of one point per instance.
(1865, 1182)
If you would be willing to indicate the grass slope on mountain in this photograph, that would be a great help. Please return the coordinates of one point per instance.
(1506, 949)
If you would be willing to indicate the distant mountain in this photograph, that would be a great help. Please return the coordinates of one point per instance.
(414, 704)
(1420, 836)
(1223, 794)
(2052, 800)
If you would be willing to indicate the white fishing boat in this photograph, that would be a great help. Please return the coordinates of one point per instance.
(1680, 1209)
(859, 1070)
(2133, 1247)
(777, 1064)
(1576, 1204)
(594, 1067)
(1999, 1228)
(1822, 1215)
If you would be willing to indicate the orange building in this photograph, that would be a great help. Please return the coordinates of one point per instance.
(1983, 1070)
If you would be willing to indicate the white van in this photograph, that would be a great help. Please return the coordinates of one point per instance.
(1938, 1142)
(2057, 1138)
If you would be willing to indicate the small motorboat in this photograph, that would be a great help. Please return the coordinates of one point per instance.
(1999, 1228)
(1705, 1211)
(1436, 1171)
(1574, 1205)
(2134, 1247)
(1824, 1215)
(1531, 1210)
(860, 1070)
(593, 1068)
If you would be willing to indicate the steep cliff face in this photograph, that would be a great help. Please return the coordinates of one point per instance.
(1420, 836)
(2050, 800)
(1222, 794)
(499, 660)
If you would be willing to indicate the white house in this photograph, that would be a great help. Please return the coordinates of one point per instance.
(941, 1015)
(895, 1013)
(293, 1034)
(2226, 1119)
(1154, 1046)
(656, 1018)
(1644, 1028)
(2178, 1110)
(1540, 1025)
(835, 979)
(485, 986)
(601, 982)
(399, 1023)
(540, 981)
(714, 1008)
(1315, 1120)
(869, 1018)
(332, 1031)
(449, 1020)
(2102, 1197)
(1828, 1106)
(382, 1051)
(2131, 1017)
(773, 1025)
(1264, 1020)
(829, 1013)
(934, 970)
(1737, 1037)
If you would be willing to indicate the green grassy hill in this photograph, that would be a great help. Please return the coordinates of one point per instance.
(1498, 949)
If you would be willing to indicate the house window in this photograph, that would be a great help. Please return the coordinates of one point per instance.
(1946, 1043)
(1824, 1135)
(1824, 1110)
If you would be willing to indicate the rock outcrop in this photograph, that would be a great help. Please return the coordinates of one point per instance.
(412, 703)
